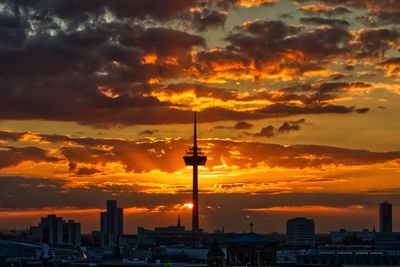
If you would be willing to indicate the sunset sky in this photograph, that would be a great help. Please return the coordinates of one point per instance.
(298, 107)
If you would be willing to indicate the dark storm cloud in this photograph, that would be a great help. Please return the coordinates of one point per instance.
(148, 132)
(12, 31)
(12, 156)
(277, 110)
(87, 171)
(23, 194)
(268, 47)
(82, 10)
(325, 10)
(392, 67)
(315, 98)
(381, 11)
(324, 21)
(11, 136)
(242, 125)
(268, 131)
(289, 126)
(68, 61)
(362, 110)
(142, 157)
(391, 61)
(205, 19)
(86, 155)
(286, 127)
(199, 90)
(94, 70)
(375, 42)
(325, 88)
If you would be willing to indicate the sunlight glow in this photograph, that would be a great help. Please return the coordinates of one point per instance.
(188, 205)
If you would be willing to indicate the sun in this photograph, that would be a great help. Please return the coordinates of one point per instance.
(188, 205)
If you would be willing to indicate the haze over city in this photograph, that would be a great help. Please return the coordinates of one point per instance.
(297, 111)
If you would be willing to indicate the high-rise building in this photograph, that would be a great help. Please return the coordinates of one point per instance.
(385, 217)
(111, 224)
(300, 231)
(72, 233)
(52, 230)
(55, 231)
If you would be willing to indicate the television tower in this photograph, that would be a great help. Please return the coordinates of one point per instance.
(194, 157)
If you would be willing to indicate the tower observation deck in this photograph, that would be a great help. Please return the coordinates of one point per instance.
(195, 157)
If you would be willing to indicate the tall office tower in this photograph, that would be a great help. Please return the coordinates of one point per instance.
(72, 233)
(52, 230)
(195, 157)
(385, 217)
(111, 224)
(300, 231)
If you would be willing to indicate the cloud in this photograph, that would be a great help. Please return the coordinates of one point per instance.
(148, 132)
(375, 42)
(266, 132)
(204, 19)
(324, 21)
(325, 10)
(380, 11)
(254, 3)
(263, 49)
(12, 156)
(129, 62)
(162, 155)
(362, 110)
(391, 66)
(28, 195)
(286, 127)
(86, 171)
(11, 136)
(242, 125)
(290, 126)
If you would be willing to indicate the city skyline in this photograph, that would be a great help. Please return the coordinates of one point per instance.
(297, 106)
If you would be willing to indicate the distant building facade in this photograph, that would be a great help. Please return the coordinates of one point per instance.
(72, 233)
(52, 230)
(169, 235)
(251, 250)
(215, 256)
(300, 231)
(55, 231)
(111, 224)
(351, 237)
(385, 217)
(348, 256)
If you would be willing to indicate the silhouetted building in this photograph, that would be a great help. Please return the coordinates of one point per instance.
(55, 231)
(215, 256)
(52, 230)
(385, 217)
(353, 237)
(194, 157)
(251, 250)
(96, 238)
(72, 233)
(111, 224)
(300, 231)
(169, 235)
(348, 256)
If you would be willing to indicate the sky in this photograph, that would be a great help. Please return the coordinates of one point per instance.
(297, 102)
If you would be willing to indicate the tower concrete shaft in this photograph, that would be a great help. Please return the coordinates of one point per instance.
(194, 157)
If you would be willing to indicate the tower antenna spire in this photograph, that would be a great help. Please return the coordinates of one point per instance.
(195, 132)
(195, 157)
